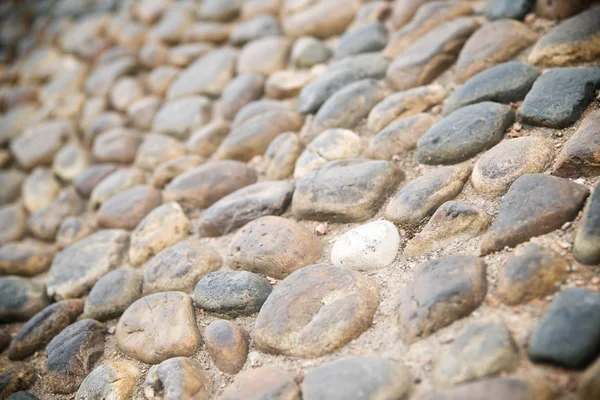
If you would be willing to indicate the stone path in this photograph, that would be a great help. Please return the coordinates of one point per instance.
(300, 199)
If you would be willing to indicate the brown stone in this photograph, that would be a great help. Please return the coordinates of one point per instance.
(117, 145)
(264, 382)
(514, 388)
(254, 8)
(13, 220)
(26, 258)
(126, 209)
(281, 155)
(264, 56)
(16, 377)
(11, 181)
(157, 149)
(580, 155)
(403, 12)
(589, 383)
(45, 222)
(207, 31)
(559, 9)
(242, 90)
(316, 19)
(207, 139)
(168, 170)
(178, 378)
(119, 180)
(227, 345)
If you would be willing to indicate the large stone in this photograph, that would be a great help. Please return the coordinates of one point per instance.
(242, 90)
(157, 149)
(202, 186)
(422, 196)
(245, 205)
(114, 183)
(345, 190)
(321, 19)
(265, 382)
(586, 247)
(534, 205)
(227, 345)
(513, 9)
(113, 293)
(330, 145)
(11, 182)
(78, 267)
(126, 209)
(499, 167)
(167, 171)
(465, 133)
(281, 156)
(44, 223)
(559, 96)
(87, 180)
(140, 332)
(580, 155)
(110, 380)
(207, 139)
(316, 310)
(27, 258)
(264, 56)
(31, 152)
(255, 28)
(182, 116)
(178, 378)
(575, 312)
(309, 51)
(442, 291)
(521, 388)
(364, 39)
(13, 220)
(20, 298)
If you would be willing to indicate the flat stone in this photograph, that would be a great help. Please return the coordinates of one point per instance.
(219, 10)
(498, 389)
(72, 229)
(87, 180)
(483, 349)
(315, 311)
(586, 247)
(465, 133)
(400, 136)
(231, 293)
(13, 220)
(367, 247)
(113, 293)
(227, 345)
(588, 388)
(15, 377)
(580, 155)
(533, 272)
(421, 197)
(575, 311)
(559, 96)
(403, 105)
(141, 112)
(43, 327)
(163, 227)
(501, 9)
(534, 205)
(26, 258)
(72, 355)
(202, 186)
(492, 44)
(280, 158)
(167, 171)
(370, 376)
(329, 145)
(245, 205)
(315, 19)
(273, 246)
(20, 298)
(11, 182)
(44, 223)
(31, 152)
(112, 379)
(349, 190)
(71, 160)
(452, 222)
(114, 183)
(424, 60)
(265, 382)
(500, 166)
(309, 51)
(140, 332)
(76, 268)
(126, 209)
(287, 83)
(347, 107)
(242, 90)
(157, 149)
(442, 291)
(503, 83)
(178, 378)
(559, 9)
(367, 38)
(182, 116)
(207, 139)
(255, 28)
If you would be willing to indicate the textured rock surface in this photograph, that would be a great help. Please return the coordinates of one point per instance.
(115, 379)
(581, 154)
(227, 345)
(176, 378)
(113, 293)
(20, 298)
(586, 247)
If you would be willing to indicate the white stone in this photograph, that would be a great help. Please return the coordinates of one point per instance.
(370, 246)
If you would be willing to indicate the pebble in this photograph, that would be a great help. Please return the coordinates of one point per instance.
(13, 220)
(21, 396)
(72, 355)
(574, 311)
(26, 258)
(167, 171)
(308, 51)
(315, 19)
(16, 120)
(20, 298)
(219, 10)
(30, 151)
(367, 247)
(231, 293)
(241, 91)
(125, 91)
(102, 78)
(498, 389)
(533, 272)
(76, 268)
(403, 11)
(422, 196)
(227, 345)
(280, 157)
(586, 247)
(44, 223)
(126, 209)
(110, 380)
(369, 377)
(259, 107)
(43, 327)
(265, 382)
(315, 311)
(102, 123)
(501, 9)
(87, 180)
(207, 31)
(367, 38)
(70, 161)
(255, 28)
(442, 291)
(557, 201)
(349, 190)
(156, 149)
(207, 139)
(178, 378)
(141, 112)
(559, 9)
(114, 183)
(161, 78)
(286, 84)
(183, 54)
(273, 246)
(15, 377)
(330, 145)
(113, 293)
(179, 117)
(252, 8)
(11, 181)
(465, 133)
(140, 332)
(579, 155)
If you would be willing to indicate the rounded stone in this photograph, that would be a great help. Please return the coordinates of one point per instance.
(113, 293)
(370, 37)
(115, 183)
(26, 258)
(39, 189)
(167, 171)
(281, 155)
(110, 380)
(178, 378)
(207, 139)
(125, 91)
(157, 149)
(13, 220)
(86, 181)
(242, 90)
(126, 209)
(118, 145)
(586, 247)
(227, 345)
(265, 382)
(20, 298)
(254, 28)
(72, 229)
(264, 56)
(11, 182)
(16, 377)
(45, 222)
(70, 161)
(178, 118)
(309, 51)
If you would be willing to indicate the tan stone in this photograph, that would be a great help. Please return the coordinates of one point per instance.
(114, 183)
(165, 172)
(141, 112)
(44, 223)
(126, 209)
(227, 345)
(39, 189)
(26, 258)
(161, 78)
(281, 155)
(559, 9)
(264, 56)
(207, 139)
(580, 155)
(112, 379)
(316, 19)
(264, 382)
(178, 377)
(71, 160)
(118, 145)
(30, 151)
(157, 149)
(285, 84)
(125, 91)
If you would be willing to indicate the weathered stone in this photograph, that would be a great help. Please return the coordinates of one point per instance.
(492, 44)
(140, 334)
(281, 155)
(589, 383)
(141, 112)
(442, 291)
(15, 377)
(219, 10)
(160, 79)
(242, 90)
(580, 155)
(499, 167)
(149, 11)
(202, 186)
(44, 223)
(178, 378)
(20, 298)
(126, 209)
(26, 258)
(364, 39)
(227, 345)
(575, 311)
(345, 190)
(535, 204)
(207, 139)
(559, 9)
(104, 122)
(504, 83)
(316, 310)
(118, 145)
(182, 116)
(308, 52)
(559, 96)
(330, 145)
(316, 19)
(72, 355)
(231, 293)
(264, 382)
(501, 9)
(110, 380)
(21, 396)
(37, 146)
(255, 28)
(483, 349)
(498, 389)
(465, 133)
(167, 171)
(586, 247)
(70, 161)
(13, 220)
(11, 182)
(113, 293)
(424, 60)
(422, 196)
(287, 83)
(111, 184)
(77, 268)
(531, 273)
(369, 376)
(72, 229)
(163, 227)
(157, 149)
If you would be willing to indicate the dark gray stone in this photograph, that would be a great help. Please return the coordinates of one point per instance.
(514, 9)
(364, 39)
(113, 293)
(568, 334)
(586, 248)
(232, 293)
(255, 28)
(559, 96)
(20, 298)
(21, 396)
(465, 133)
